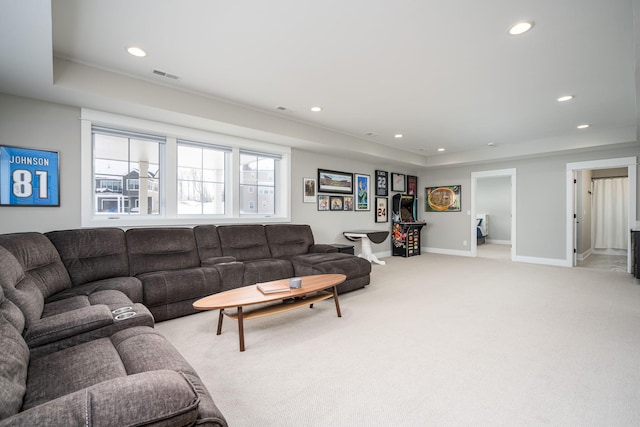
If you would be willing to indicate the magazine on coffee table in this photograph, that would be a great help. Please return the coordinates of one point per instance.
(273, 287)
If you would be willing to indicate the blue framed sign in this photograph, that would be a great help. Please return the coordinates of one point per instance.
(29, 177)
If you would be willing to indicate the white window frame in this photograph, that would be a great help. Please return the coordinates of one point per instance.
(168, 212)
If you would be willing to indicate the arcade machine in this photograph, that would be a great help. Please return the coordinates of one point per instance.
(405, 228)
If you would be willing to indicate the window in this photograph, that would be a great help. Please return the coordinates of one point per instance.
(138, 172)
(201, 173)
(130, 158)
(257, 183)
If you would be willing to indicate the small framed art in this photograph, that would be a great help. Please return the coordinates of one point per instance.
(308, 190)
(412, 185)
(335, 203)
(382, 183)
(442, 199)
(397, 182)
(335, 182)
(382, 214)
(323, 202)
(347, 204)
(362, 193)
(29, 177)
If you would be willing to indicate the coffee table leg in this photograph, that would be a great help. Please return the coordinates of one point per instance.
(335, 298)
(241, 328)
(220, 317)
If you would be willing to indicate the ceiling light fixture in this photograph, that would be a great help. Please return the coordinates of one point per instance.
(398, 135)
(584, 126)
(136, 51)
(565, 98)
(316, 109)
(520, 28)
(441, 149)
(491, 144)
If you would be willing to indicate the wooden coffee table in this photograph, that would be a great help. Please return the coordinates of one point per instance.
(251, 295)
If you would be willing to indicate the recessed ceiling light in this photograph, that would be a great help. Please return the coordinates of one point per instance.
(491, 144)
(440, 149)
(520, 28)
(136, 51)
(398, 135)
(584, 126)
(565, 98)
(316, 109)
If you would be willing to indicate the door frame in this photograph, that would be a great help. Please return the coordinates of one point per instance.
(474, 183)
(572, 168)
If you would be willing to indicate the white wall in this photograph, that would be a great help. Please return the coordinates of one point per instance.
(34, 124)
(493, 197)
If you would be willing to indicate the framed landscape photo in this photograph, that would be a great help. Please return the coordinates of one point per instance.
(412, 185)
(308, 190)
(382, 213)
(382, 183)
(442, 199)
(335, 182)
(362, 192)
(29, 177)
(397, 182)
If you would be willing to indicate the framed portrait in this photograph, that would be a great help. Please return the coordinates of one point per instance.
(382, 183)
(412, 185)
(29, 177)
(308, 190)
(323, 202)
(397, 182)
(382, 214)
(363, 192)
(335, 182)
(347, 203)
(442, 199)
(336, 203)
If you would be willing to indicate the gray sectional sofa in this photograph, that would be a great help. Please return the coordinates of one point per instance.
(77, 310)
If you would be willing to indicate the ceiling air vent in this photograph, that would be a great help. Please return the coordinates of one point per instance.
(165, 74)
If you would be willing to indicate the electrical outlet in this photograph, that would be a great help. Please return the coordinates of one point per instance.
(464, 243)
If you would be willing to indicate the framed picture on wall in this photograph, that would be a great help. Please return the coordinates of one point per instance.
(335, 182)
(308, 190)
(323, 202)
(335, 203)
(347, 204)
(29, 177)
(412, 185)
(362, 192)
(382, 213)
(442, 199)
(382, 183)
(397, 182)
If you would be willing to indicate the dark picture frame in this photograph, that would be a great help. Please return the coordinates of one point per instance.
(397, 182)
(29, 177)
(382, 209)
(323, 202)
(308, 190)
(363, 192)
(412, 185)
(347, 204)
(382, 183)
(336, 203)
(330, 181)
(445, 198)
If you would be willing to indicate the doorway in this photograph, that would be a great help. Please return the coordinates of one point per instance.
(578, 186)
(500, 233)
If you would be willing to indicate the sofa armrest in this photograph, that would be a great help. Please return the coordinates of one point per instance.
(321, 248)
(208, 262)
(65, 325)
(148, 398)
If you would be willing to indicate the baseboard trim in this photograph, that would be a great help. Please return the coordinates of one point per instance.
(543, 261)
(584, 255)
(446, 251)
(499, 242)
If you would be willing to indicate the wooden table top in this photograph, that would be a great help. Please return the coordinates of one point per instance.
(250, 295)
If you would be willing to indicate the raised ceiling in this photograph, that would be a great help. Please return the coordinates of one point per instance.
(444, 74)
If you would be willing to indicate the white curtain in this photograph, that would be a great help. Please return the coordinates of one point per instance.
(610, 205)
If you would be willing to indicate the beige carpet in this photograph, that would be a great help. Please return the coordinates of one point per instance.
(435, 340)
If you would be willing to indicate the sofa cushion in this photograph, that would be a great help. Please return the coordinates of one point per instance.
(287, 240)
(92, 254)
(331, 263)
(266, 270)
(158, 249)
(13, 363)
(207, 241)
(39, 259)
(131, 287)
(244, 242)
(20, 289)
